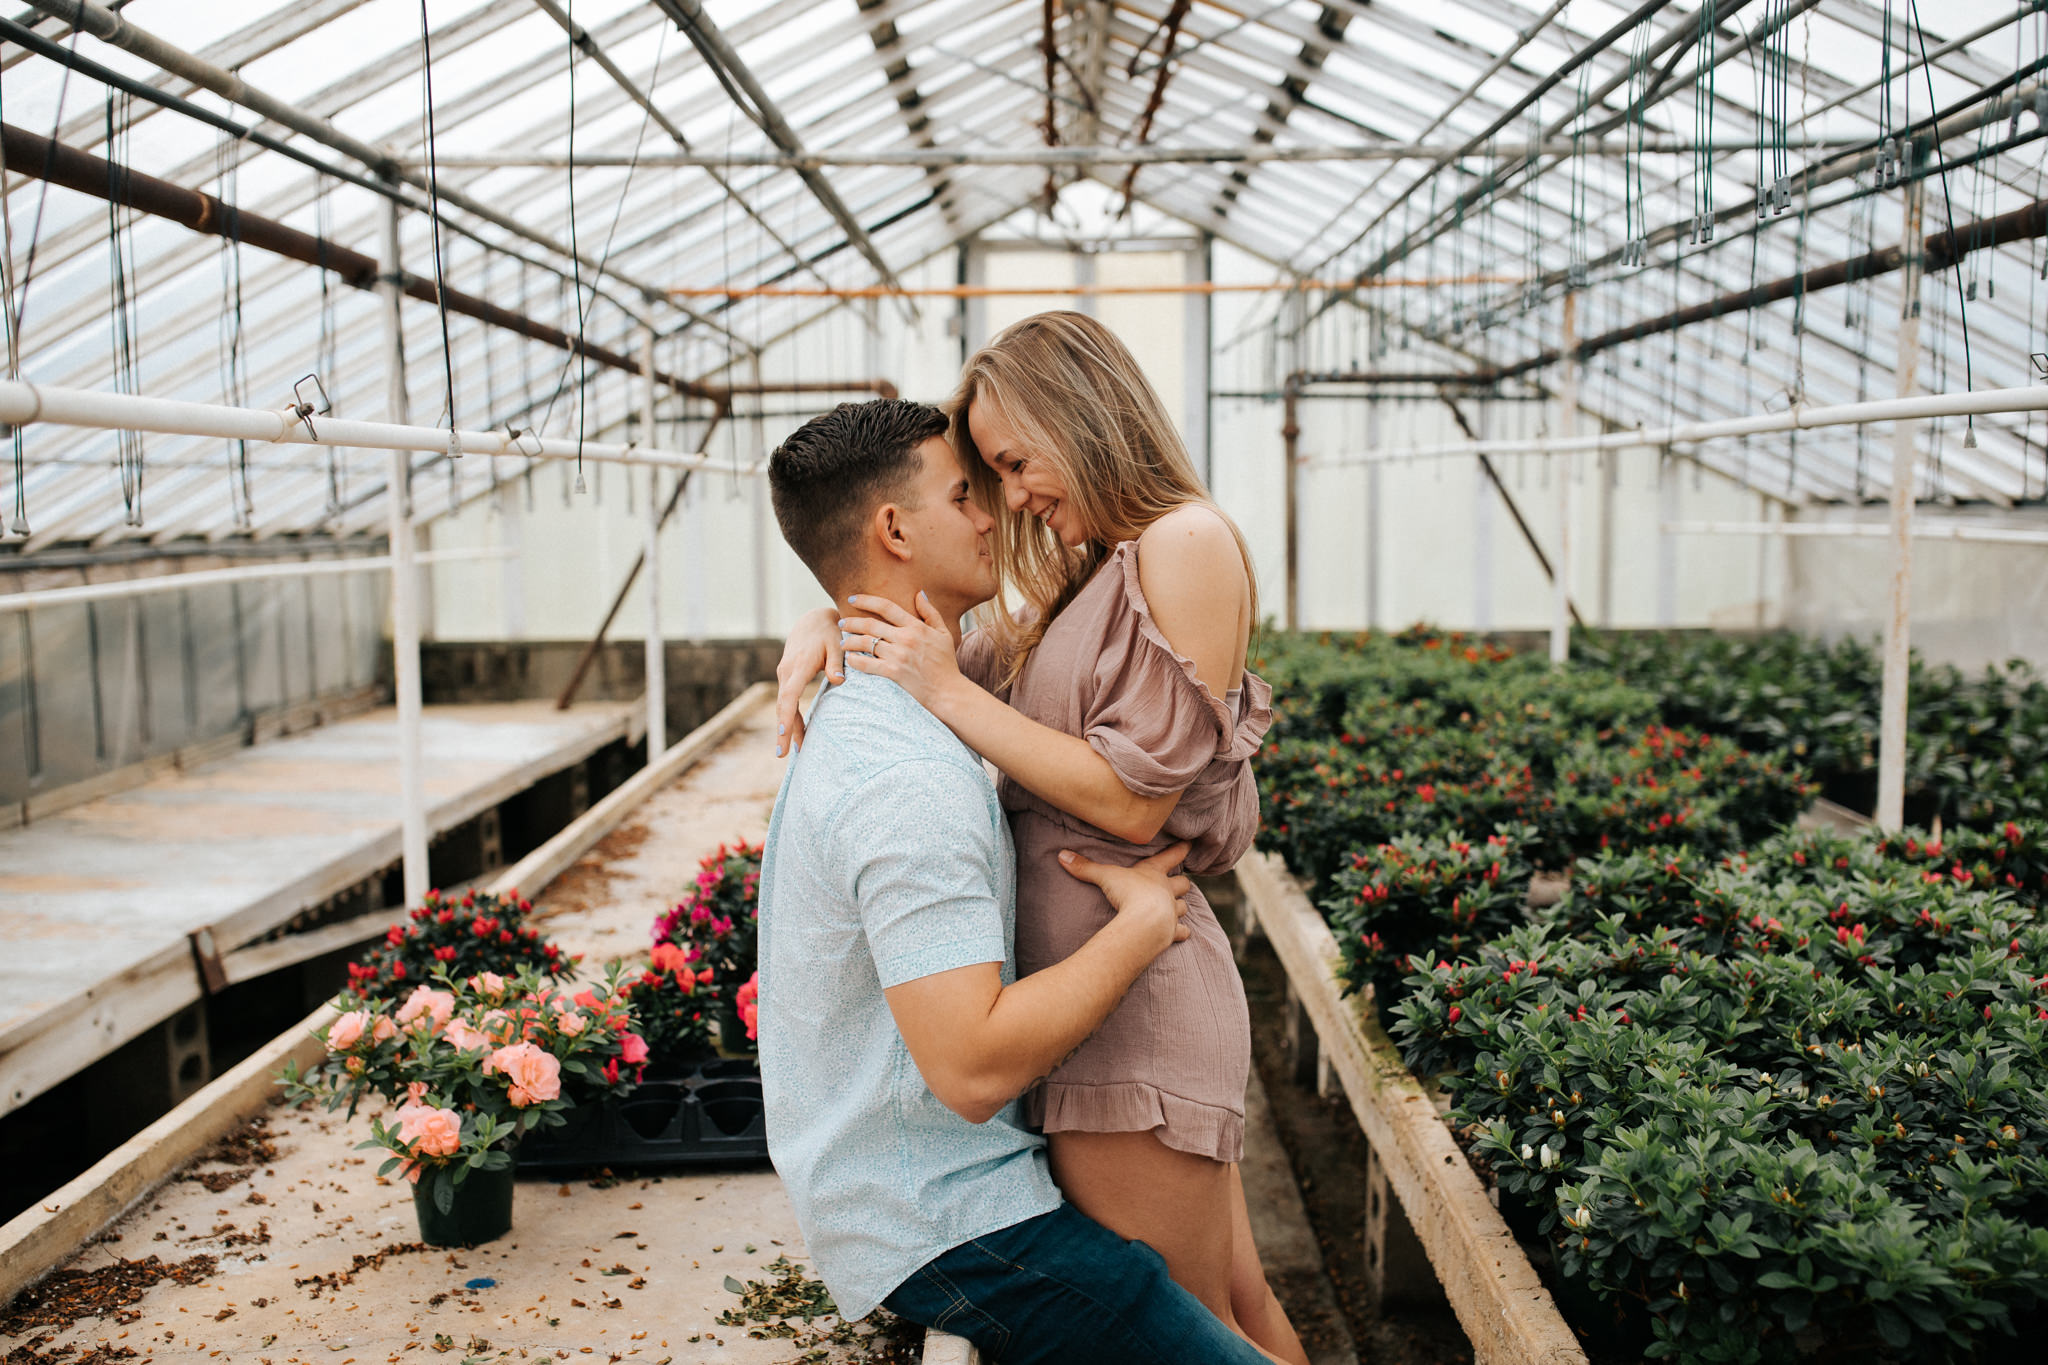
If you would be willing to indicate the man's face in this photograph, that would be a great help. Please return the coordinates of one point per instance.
(949, 534)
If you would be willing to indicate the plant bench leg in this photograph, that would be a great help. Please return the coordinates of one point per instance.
(1397, 1270)
(1305, 1062)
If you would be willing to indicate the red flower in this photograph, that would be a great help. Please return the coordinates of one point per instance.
(1456, 1014)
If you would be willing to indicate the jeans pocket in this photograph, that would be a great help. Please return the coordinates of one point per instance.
(964, 1318)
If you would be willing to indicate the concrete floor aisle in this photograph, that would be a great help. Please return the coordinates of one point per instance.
(297, 1252)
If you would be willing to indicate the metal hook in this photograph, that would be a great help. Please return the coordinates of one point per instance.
(2040, 359)
(304, 410)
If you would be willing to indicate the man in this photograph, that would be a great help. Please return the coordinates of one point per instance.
(894, 1037)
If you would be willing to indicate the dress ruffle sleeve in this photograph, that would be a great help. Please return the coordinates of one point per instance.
(1157, 723)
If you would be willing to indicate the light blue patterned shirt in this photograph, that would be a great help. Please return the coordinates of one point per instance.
(888, 859)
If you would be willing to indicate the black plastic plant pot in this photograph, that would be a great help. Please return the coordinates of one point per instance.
(481, 1210)
(710, 1113)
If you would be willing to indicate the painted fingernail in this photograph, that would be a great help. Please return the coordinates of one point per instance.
(782, 729)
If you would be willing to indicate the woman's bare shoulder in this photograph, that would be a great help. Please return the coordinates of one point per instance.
(1192, 547)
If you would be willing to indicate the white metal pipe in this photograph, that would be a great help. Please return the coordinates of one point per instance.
(206, 578)
(1891, 712)
(1980, 403)
(650, 576)
(1083, 156)
(405, 586)
(1856, 530)
(23, 403)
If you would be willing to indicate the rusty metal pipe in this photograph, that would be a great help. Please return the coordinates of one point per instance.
(29, 154)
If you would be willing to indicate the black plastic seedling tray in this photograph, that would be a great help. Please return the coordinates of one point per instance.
(710, 1113)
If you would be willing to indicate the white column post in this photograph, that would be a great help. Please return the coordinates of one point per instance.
(1891, 745)
(405, 582)
(650, 573)
(1568, 427)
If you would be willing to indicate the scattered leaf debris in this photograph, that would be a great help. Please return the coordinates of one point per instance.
(374, 1260)
(65, 1296)
(767, 1307)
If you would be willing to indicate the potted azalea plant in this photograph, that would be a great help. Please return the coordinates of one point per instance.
(472, 1066)
(456, 936)
(713, 932)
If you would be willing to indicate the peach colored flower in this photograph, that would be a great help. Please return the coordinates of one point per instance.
(488, 984)
(415, 1092)
(569, 1022)
(383, 1031)
(430, 1131)
(345, 1032)
(536, 1075)
(465, 1036)
(411, 1171)
(501, 1026)
(425, 1000)
(632, 1049)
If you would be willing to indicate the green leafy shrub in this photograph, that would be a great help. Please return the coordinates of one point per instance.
(1977, 746)
(1761, 1113)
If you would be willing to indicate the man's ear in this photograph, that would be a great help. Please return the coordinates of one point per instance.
(891, 531)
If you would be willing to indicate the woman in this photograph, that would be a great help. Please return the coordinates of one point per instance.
(1118, 710)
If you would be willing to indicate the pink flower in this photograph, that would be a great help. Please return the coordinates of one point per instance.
(345, 1032)
(749, 1003)
(632, 1049)
(501, 1026)
(383, 1030)
(464, 1036)
(425, 1000)
(569, 1022)
(415, 1092)
(535, 1075)
(430, 1131)
(488, 984)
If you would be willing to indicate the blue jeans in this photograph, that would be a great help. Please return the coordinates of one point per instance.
(1062, 1288)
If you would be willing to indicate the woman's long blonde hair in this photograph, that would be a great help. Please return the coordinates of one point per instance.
(1064, 383)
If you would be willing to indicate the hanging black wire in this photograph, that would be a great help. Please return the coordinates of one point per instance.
(326, 349)
(1948, 209)
(434, 226)
(578, 359)
(17, 303)
(233, 362)
(122, 281)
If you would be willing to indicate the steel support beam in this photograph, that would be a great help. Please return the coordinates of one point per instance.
(113, 29)
(754, 101)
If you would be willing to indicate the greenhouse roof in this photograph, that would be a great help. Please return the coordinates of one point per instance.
(1504, 153)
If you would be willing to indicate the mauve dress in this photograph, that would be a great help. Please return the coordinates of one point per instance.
(1173, 1058)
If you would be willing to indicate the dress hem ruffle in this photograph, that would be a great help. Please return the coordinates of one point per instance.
(1185, 1125)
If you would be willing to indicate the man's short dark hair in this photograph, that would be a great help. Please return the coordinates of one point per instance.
(835, 469)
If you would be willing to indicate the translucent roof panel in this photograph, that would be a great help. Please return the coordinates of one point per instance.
(721, 174)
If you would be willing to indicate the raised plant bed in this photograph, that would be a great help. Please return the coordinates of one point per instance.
(1501, 1303)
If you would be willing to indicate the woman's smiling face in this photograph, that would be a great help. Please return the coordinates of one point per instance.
(1030, 484)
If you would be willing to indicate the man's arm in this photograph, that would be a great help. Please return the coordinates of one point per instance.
(979, 1044)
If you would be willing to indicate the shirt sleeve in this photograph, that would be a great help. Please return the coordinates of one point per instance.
(921, 841)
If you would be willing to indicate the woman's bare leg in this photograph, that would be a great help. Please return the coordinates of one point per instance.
(1259, 1315)
(1178, 1204)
